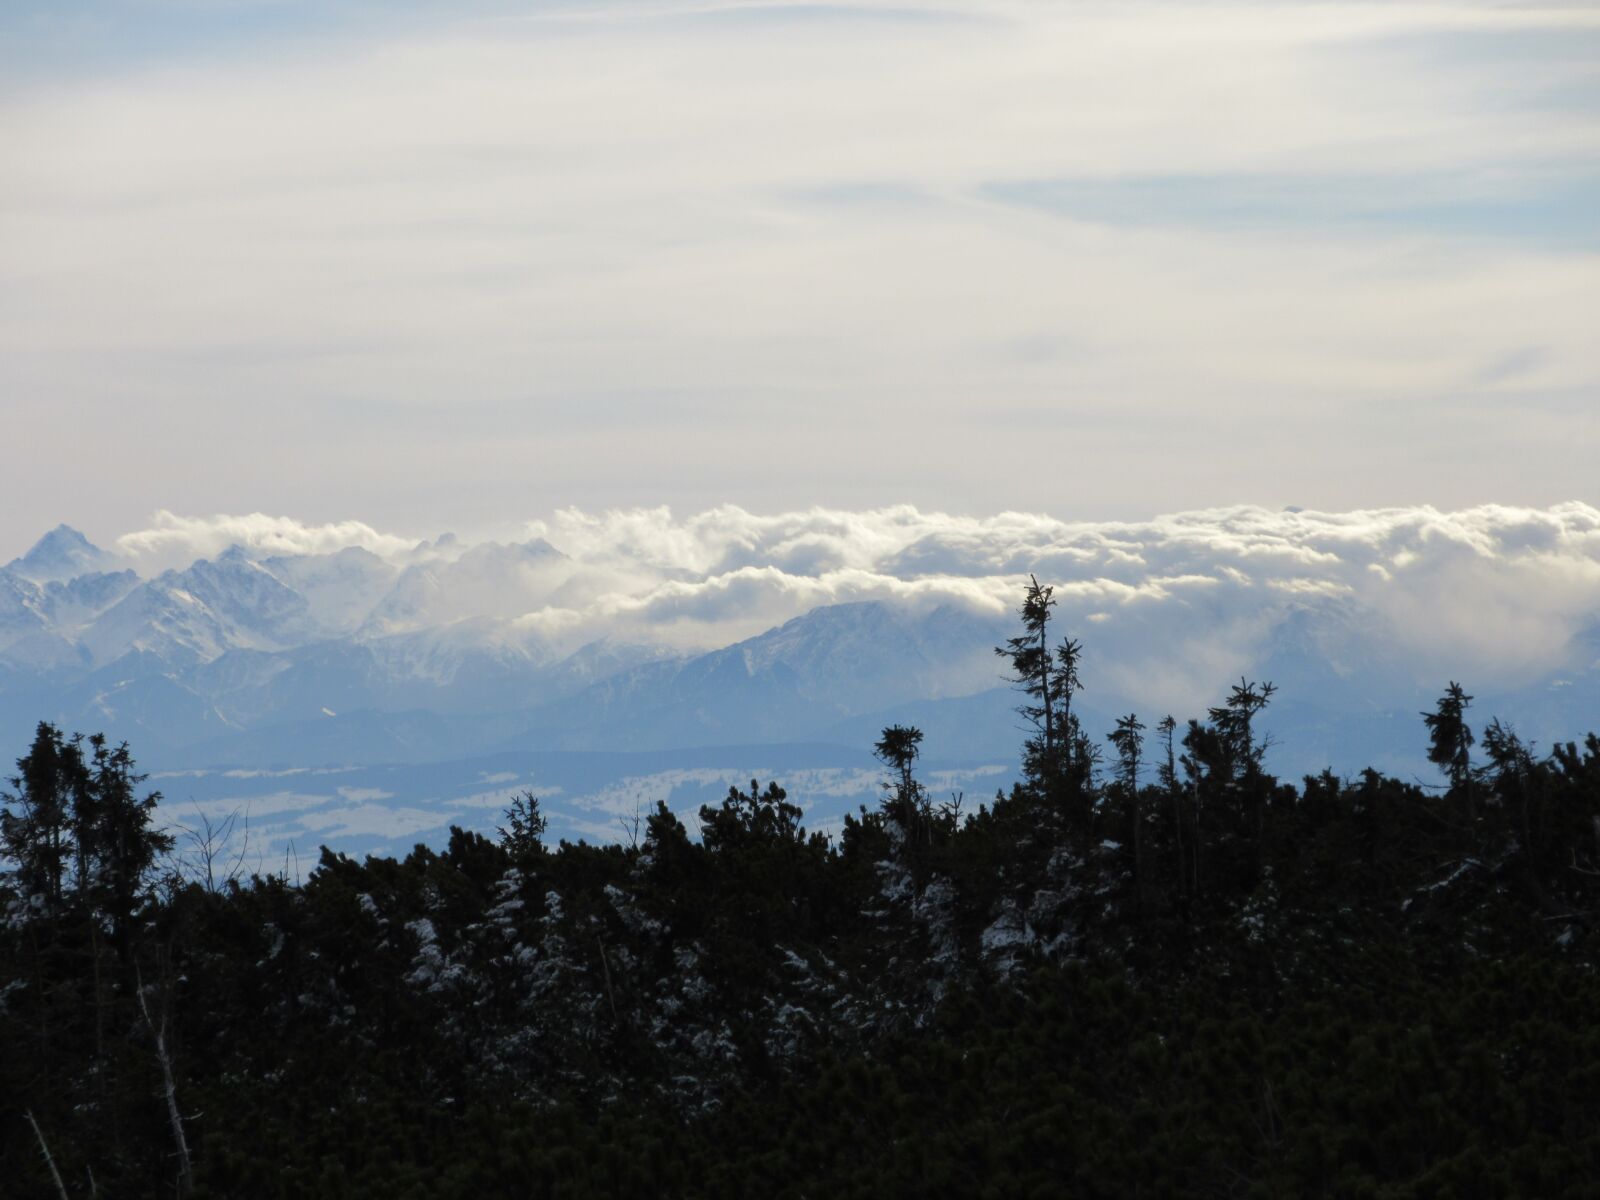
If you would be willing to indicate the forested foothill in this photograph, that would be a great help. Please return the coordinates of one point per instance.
(1150, 969)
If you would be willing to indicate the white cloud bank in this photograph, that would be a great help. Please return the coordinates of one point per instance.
(1506, 593)
(172, 540)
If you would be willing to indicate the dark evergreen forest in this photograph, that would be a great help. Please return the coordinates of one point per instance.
(1151, 969)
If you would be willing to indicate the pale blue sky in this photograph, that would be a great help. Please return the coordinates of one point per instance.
(426, 264)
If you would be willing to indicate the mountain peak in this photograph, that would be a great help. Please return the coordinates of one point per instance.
(61, 554)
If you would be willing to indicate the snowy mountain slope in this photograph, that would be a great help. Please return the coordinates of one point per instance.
(808, 674)
(491, 580)
(72, 604)
(47, 654)
(190, 617)
(40, 626)
(865, 654)
(341, 589)
(138, 699)
(23, 610)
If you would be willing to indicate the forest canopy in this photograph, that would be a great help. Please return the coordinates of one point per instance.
(1150, 967)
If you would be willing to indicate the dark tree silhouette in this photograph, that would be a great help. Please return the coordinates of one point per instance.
(898, 749)
(1450, 740)
(1368, 991)
(1169, 783)
(1032, 666)
(1128, 738)
(124, 847)
(44, 821)
(1234, 721)
(524, 830)
(1049, 678)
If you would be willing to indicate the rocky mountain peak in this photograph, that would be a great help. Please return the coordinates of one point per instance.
(59, 555)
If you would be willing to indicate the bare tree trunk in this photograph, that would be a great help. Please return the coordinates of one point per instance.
(169, 1089)
(44, 1149)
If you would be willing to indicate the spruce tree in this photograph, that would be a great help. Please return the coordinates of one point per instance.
(125, 847)
(523, 833)
(1168, 769)
(1128, 738)
(1234, 720)
(39, 820)
(1450, 740)
(1048, 678)
(897, 749)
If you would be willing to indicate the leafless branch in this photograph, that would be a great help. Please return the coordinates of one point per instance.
(208, 861)
(169, 1087)
(44, 1149)
(630, 827)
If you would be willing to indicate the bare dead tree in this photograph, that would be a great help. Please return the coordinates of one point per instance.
(44, 1148)
(630, 826)
(950, 810)
(210, 861)
(169, 1088)
(290, 855)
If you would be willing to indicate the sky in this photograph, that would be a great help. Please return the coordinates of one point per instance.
(451, 266)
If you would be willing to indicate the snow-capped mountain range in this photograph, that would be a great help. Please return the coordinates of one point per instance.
(241, 653)
(440, 650)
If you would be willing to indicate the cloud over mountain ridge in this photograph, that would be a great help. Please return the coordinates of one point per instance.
(1493, 585)
(641, 628)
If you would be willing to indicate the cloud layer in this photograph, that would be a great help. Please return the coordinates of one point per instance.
(1499, 593)
(174, 541)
